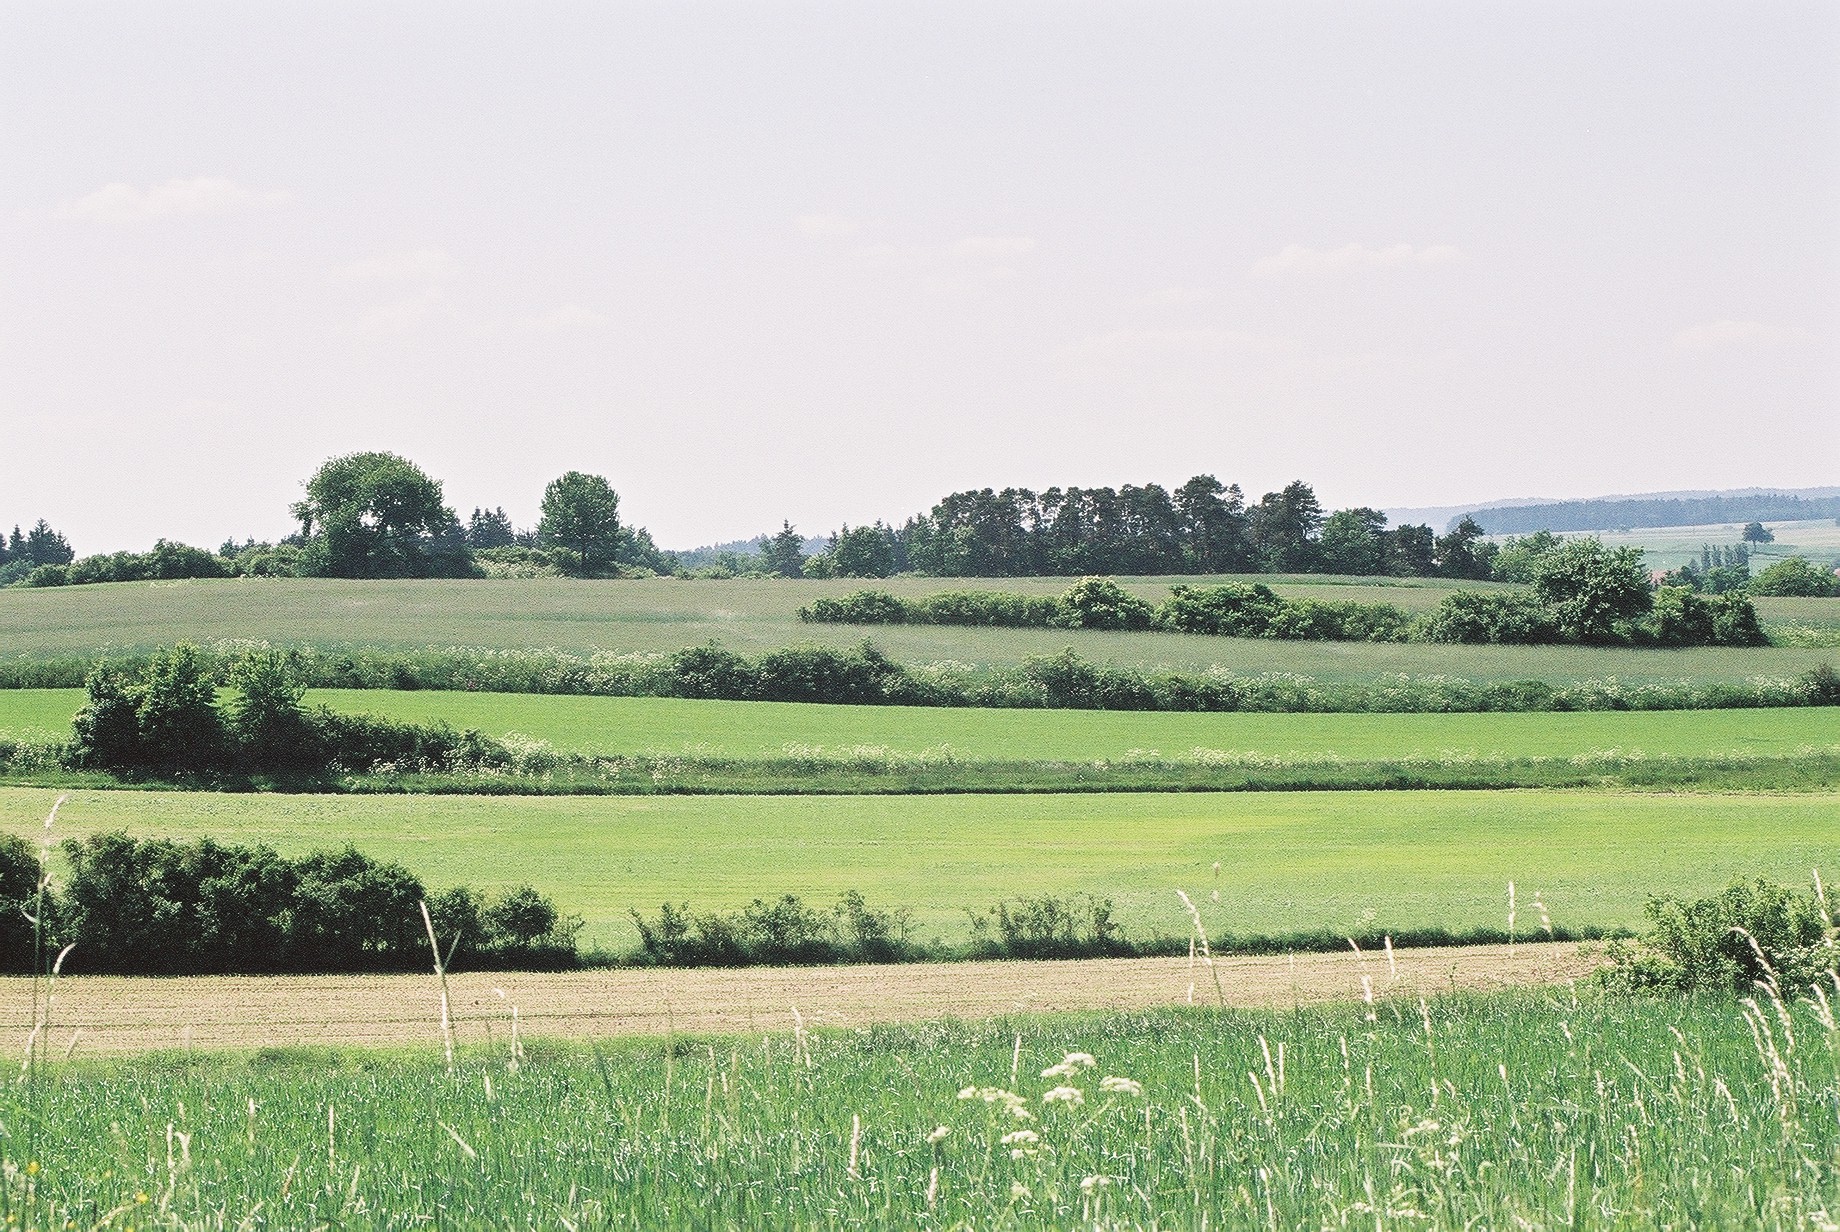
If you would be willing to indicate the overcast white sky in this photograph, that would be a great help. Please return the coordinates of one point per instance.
(827, 262)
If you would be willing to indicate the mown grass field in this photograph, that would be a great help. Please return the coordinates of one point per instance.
(1537, 1110)
(1289, 862)
(754, 615)
(615, 726)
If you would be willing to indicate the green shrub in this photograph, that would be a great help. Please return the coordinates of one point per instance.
(162, 719)
(1339, 621)
(159, 907)
(1504, 618)
(1100, 603)
(990, 609)
(1078, 926)
(862, 607)
(1752, 932)
(1796, 576)
(19, 875)
(1233, 609)
(787, 931)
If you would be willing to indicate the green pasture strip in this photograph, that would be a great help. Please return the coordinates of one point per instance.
(878, 773)
(751, 616)
(42, 714)
(633, 726)
(652, 746)
(764, 729)
(1288, 862)
(1531, 1109)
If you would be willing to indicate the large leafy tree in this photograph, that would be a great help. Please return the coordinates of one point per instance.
(1591, 589)
(1353, 541)
(1465, 552)
(1284, 526)
(1213, 524)
(581, 513)
(369, 515)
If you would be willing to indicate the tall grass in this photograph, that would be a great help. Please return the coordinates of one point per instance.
(1541, 1110)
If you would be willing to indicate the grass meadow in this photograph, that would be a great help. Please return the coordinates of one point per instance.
(1669, 547)
(1288, 861)
(651, 726)
(1540, 1110)
(752, 615)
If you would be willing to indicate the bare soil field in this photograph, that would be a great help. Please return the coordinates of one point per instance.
(105, 1014)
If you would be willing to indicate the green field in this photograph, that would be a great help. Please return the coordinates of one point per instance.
(1669, 547)
(617, 726)
(1534, 1110)
(752, 615)
(1288, 861)
(752, 729)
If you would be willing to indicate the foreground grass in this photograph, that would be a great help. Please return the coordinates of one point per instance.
(1511, 1110)
(754, 615)
(1288, 862)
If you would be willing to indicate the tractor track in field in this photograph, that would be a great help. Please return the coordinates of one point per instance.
(109, 1014)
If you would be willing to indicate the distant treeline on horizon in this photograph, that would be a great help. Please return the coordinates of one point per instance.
(1631, 512)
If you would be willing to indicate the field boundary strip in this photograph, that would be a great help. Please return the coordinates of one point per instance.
(106, 1014)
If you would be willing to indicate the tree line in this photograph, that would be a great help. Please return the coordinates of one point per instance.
(1203, 526)
(1628, 512)
(378, 515)
(1582, 593)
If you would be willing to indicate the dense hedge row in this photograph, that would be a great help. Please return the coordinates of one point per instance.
(162, 716)
(1674, 616)
(157, 907)
(791, 932)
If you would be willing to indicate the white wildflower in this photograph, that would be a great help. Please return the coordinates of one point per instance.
(1065, 1095)
(1012, 1103)
(1090, 1183)
(1121, 1086)
(938, 1135)
(1021, 1137)
(1070, 1065)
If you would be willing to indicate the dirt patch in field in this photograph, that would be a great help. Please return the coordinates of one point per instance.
(111, 1014)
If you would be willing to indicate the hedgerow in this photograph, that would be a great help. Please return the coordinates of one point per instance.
(128, 906)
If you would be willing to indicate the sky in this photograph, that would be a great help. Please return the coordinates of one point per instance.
(827, 262)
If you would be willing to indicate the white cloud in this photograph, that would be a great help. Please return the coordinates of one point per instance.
(401, 265)
(1141, 344)
(204, 195)
(569, 316)
(403, 315)
(827, 226)
(1298, 259)
(1721, 334)
(1173, 297)
(957, 265)
(1166, 352)
(992, 247)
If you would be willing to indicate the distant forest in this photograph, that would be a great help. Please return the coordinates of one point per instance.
(1204, 526)
(1577, 515)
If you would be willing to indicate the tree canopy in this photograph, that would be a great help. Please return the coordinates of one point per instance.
(374, 515)
(581, 512)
